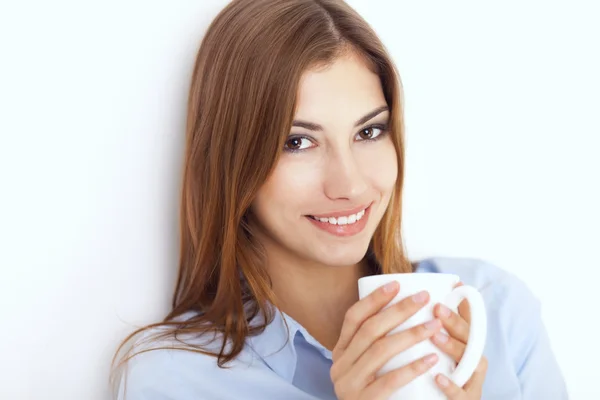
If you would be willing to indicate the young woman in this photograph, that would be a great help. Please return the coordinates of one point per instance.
(292, 191)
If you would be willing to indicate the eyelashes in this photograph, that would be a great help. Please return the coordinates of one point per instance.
(300, 143)
(382, 129)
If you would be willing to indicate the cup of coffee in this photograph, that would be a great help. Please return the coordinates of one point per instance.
(441, 288)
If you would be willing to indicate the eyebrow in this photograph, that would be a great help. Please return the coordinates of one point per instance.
(316, 127)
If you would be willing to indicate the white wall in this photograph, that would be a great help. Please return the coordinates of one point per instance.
(503, 135)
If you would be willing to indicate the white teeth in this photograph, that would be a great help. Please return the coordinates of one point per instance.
(360, 215)
(348, 220)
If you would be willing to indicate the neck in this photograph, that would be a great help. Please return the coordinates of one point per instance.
(316, 296)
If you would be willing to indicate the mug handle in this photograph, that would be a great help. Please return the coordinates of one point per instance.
(477, 332)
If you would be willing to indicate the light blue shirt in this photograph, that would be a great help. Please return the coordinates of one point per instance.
(294, 366)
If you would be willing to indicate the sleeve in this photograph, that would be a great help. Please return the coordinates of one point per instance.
(538, 372)
(146, 377)
(172, 374)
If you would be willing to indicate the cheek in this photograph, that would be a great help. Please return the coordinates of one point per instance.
(379, 164)
(290, 186)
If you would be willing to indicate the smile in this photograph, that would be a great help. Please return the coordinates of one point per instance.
(343, 224)
(343, 220)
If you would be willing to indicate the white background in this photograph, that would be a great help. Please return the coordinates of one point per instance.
(502, 107)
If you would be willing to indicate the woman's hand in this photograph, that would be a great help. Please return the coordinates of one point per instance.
(454, 345)
(363, 347)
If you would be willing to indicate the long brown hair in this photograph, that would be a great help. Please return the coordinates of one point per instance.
(241, 105)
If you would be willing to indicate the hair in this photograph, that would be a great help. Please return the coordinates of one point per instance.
(240, 108)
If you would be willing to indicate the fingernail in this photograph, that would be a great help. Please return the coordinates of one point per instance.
(433, 324)
(390, 287)
(444, 311)
(431, 359)
(440, 337)
(420, 297)
(442, 380)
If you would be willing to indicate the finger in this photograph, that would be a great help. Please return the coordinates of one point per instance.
(379, 325)
(383, 387)
(475, 384)
(454, 348)
(463, 308)
(384, 349)
(465, 311)
(449, 388)
(362, 310)
(453, 323)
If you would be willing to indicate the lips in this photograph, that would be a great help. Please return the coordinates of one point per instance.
(346, 213)
(344, 224)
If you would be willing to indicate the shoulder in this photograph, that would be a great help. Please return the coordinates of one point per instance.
(156, 368)
(501, 289)
(513, 317)
(163, 366)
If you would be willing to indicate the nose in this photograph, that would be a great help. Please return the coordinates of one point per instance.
(344, 178)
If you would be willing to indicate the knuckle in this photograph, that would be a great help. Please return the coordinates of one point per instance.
(379, 348)
(397, 342)
(391, 380)
(334, 372)
(351, 316)
(421, 331)
(377, 299)
(343, 387)
(369, 329)
(339, 389)
(371, 378)
(409, 305)
(459, 322)
(452, 345)
(417, 367)
(452, 318)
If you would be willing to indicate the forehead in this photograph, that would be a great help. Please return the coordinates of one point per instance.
(342, 92)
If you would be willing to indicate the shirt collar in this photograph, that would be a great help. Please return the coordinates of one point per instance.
(276, 345)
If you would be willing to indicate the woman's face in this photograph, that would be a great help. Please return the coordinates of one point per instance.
(336, 173)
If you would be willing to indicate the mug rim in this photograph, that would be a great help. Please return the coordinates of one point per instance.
(405, 275)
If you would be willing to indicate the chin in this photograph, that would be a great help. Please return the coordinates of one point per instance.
(342, 256)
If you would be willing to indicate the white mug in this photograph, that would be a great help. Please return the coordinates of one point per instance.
(441, 290)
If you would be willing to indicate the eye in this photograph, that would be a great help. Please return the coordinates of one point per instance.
(370, 133)
(298, 143)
